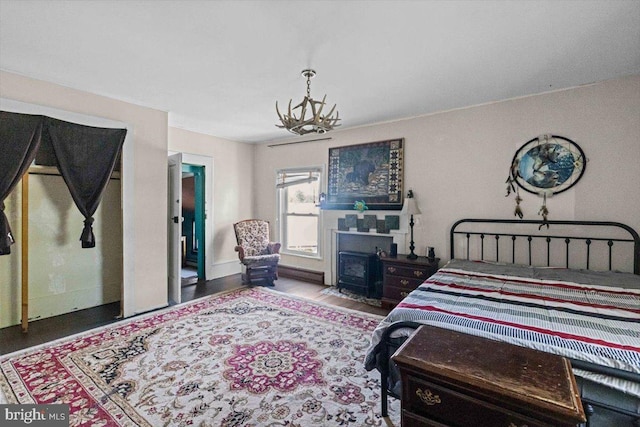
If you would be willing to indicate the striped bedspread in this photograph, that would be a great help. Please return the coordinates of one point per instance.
(593, 322)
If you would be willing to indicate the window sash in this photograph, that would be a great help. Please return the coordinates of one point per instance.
(288, 215)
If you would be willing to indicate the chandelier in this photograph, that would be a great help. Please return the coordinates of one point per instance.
(316, 121)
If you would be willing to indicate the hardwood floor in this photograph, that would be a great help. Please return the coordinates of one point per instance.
(45, 330)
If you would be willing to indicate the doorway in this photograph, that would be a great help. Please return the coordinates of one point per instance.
(193, 223)
(198, 174)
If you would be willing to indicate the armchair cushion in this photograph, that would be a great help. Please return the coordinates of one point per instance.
(261, 259)
(252, 236)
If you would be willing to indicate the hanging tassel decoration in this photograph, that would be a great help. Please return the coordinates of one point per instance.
(511, 179)
(511, 188)
(544, 212)
(87, 238)
(518, 210)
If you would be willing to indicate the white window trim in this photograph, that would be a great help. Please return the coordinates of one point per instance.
(279, 212)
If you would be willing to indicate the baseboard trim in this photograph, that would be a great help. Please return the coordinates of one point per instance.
(224, 269)
(310, 276)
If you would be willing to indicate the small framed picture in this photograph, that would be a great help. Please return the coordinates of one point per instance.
(370, 221)
(381, 227)
(362, 228)
(393, 222)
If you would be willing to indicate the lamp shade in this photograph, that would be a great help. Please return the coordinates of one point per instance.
(410, 207)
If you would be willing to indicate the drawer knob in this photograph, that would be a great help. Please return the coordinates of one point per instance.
(391, 269)
(427, 397)
(418, 273)
(404, 282)
(404, 294)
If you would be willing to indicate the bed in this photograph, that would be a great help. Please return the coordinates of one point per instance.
(538, 285)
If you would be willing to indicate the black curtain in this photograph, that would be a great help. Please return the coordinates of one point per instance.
(20, 136)
(86, 157)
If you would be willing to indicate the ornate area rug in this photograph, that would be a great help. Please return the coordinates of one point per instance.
(250, 357)
(333, 291)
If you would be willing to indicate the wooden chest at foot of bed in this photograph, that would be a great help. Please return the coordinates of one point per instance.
(455, 379)
(401, 275)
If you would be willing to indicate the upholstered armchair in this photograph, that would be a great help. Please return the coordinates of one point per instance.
(258, 255)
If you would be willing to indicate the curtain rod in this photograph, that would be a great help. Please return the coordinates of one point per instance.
(299, 142)
(53, 171)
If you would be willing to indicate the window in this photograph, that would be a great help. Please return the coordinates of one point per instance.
(298, 210)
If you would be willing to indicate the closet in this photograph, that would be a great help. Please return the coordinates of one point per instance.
(68, 250)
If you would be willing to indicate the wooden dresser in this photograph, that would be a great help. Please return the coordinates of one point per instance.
(401, 275)
(455, 379)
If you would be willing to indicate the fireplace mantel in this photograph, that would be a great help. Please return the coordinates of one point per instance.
(399, 237)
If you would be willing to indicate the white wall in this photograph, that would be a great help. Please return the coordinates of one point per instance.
(144, 181)
(457, 162)
(63, 277)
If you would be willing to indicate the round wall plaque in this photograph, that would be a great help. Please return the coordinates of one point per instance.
(549, 164)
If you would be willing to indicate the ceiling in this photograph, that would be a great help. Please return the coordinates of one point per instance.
(218, 67)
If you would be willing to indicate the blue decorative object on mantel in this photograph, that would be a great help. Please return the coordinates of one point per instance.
(360, 206)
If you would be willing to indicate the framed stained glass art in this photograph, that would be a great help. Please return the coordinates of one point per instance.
(549, 164)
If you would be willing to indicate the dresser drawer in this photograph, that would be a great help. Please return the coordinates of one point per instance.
(417, 272)
(438, 403)
(395, 293)
(405, 283)
(413, 420)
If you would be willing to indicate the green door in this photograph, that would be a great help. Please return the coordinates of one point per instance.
(197, 246)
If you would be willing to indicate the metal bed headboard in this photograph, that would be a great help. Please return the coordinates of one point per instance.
(546, 237)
